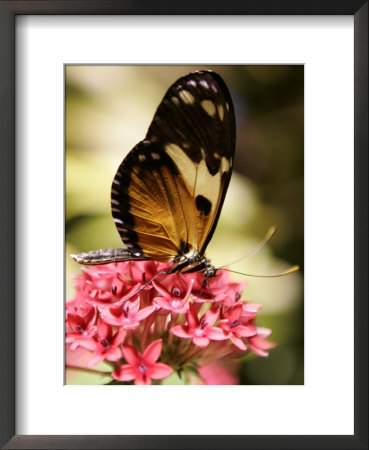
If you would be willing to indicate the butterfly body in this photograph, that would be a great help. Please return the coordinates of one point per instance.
(182, 264)
(168, 192)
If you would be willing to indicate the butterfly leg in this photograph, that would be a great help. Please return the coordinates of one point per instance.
(162, 272)
(210, 272)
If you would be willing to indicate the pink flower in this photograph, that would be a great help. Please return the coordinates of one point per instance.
(258, 343)
(143, 271)
(104, 285)
(175, 293)
(81, 328)
(231, 325)
(78, 305)
(198, 326)
(106, 344)
(200, 331)
(127, 316)
(142, 367)
(222, 290)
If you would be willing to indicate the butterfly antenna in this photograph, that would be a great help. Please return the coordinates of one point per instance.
(282, 274)
(268, 236)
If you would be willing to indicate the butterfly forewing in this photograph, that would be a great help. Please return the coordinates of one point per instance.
(151, 204)
(168, 192)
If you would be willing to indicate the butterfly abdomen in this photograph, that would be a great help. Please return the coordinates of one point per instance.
(108, 255)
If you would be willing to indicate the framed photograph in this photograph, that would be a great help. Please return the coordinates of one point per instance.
(240, 301)
(183, 293)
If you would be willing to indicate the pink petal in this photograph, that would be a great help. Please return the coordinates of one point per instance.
(87, 343)
(216, 334)
(113, 354)
(103, 329)
(258, 351)
(162, 302)
(263, 332)
(181, 309)
(145, 312)
(251, 307)
(234, 313)
(142, 379)
(159, 371)
(119, 337)
(262, 344)
(124, 373)
(128, 293)
(91, 316)
(192, 318)
(131, 355)
(244, 331)
(161, 289)
(152, 352)
(238, 342)
(75, 321)
(110, 318)
(133, 306)
(200, 341)
(96, 358)
(130, 325)
(180, 331)
(211, 316)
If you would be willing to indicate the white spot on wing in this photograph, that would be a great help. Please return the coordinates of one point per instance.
(186, 97)
(114, 202)
(141, 157)
(192, 83)
(220, 112)
(175, 100)
(204, 83)
(155, 155)
(183, 162)
(224, 165)
(118, 221)
(207, 185)
(116, 182)
(209, 107)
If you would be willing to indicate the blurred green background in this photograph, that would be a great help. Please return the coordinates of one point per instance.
(108, 110)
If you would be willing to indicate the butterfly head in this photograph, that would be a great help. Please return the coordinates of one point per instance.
(194, 263)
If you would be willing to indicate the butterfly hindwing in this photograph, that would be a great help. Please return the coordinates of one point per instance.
(168, 192)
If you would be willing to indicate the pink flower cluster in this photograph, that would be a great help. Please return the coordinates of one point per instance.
(181, 320)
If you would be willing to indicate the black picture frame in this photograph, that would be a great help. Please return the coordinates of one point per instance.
(8, 284)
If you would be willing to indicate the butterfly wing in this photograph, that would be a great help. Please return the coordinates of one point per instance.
(168, 192)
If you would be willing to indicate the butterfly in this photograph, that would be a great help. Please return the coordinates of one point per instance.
(168, 192)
